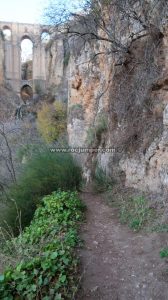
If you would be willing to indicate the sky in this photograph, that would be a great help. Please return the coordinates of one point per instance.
(29, 11)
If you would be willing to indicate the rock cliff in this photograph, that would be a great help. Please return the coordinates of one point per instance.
(2, 75)
(119, 107)
(117, 99)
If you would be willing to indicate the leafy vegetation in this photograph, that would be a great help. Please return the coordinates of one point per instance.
(47, 266)
(44, 173)
(135, 212)
(164, 253)
(51, 121)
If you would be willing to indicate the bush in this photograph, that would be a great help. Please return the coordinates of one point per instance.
(164, 253)
(44, 173)
(47, 266)
(51, 121)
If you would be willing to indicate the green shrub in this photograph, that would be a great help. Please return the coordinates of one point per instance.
(27, 150)
(51, 121)
(164, 253)
(135, 212)
(47, 265)
(44, 173)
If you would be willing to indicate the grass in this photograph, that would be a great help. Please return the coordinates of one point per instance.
(160, 228)
(46, 264)
(135, 212)
(102, 182)
(43, 173)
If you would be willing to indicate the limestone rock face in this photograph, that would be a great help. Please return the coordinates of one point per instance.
(117, 103)
(120, 111)
(165, 116)
(2, 76)
(57, 70)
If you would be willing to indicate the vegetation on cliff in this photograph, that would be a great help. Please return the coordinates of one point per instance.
(51, 121)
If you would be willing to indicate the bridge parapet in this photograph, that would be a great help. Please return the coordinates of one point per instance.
(12, 47)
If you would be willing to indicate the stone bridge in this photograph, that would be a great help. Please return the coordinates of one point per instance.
(12, 48)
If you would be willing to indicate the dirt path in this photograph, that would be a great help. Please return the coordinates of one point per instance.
(117, 263)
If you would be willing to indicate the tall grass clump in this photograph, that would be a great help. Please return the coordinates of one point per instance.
(101, 181)
(44, 173)
(136, 212)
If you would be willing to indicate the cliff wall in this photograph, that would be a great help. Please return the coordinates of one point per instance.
(122, 104)
(2, 75)
(117, 102)
(57, 59)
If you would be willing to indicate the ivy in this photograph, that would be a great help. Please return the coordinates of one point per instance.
(48, 266)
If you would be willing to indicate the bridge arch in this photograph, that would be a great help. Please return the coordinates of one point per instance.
(45, 36)
(26, 58)
(7, 33)
(28, 37)
(19, 32)
(26, 92)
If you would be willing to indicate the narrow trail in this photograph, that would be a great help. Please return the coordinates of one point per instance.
(118, 264)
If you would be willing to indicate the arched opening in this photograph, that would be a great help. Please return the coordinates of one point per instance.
(26, 58)
(7, 33)
(26, 93)
(45, 37)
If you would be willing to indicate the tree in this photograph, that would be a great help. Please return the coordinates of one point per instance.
(117, 22)
(6, 153)
(51, 121)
